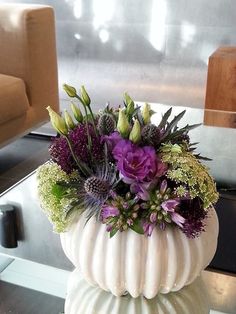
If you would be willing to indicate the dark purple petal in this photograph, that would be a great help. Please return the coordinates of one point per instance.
(193, 212)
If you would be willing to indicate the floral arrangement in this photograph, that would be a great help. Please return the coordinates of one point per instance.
(127, 172)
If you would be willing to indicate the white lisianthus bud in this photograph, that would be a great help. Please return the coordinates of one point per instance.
(146, 113)
(70, 90)
(123, 126)
(135, 134)
(85, 97)
(57, 121)
(69, 121)
(130, 104)
(76, 112)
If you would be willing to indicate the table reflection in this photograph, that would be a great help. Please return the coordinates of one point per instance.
(82, 298)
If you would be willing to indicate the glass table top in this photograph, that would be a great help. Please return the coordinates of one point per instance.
(212, 292)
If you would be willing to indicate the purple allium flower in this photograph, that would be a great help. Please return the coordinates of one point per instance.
(111, 140)
(148, 228)
(61, 154)
(137, 163)
(193, 212)
(109, 211)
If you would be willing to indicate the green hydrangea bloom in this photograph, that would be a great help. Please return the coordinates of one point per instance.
(189, 173)
(53, 200)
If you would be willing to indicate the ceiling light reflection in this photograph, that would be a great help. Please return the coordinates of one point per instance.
(77, 7)
(158, 28)
(77, 36)
(104, 35)
(103, 11)
(188, 32)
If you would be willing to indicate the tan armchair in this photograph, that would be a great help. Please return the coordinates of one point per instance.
(28, 68)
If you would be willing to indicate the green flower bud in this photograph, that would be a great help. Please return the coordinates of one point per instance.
(76, 112)
(69, 121)
(57, 121)
(135, 134)
(130, 104)
(146, 113)
(85, 96)
(123, 126)
(70, 90)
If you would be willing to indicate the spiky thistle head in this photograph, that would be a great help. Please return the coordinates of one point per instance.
(97, 188)
(151, 134)
(93, 191)
(106, 124)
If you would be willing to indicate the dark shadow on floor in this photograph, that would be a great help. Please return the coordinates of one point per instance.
(20, 158)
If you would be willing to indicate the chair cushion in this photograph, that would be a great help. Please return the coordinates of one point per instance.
(13, 98)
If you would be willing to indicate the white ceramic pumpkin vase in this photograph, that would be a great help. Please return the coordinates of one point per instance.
(84, 299)
(136, 264)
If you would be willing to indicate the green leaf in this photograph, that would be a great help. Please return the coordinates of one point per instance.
(165, 118)
(137, 227)
(58, 191)
(113, 232)
(173, 123)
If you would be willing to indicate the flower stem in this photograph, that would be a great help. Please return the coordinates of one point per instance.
(86, 113)
(79, 164)
(87, 127)
(93, 121)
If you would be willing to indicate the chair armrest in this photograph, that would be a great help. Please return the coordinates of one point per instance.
(28, 50)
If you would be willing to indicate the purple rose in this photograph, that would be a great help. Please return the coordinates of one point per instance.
(137, 163)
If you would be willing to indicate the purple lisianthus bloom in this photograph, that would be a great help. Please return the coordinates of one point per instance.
(111, 140)
(148, 228)
(169, 207)
(109, 211)
(137, 164)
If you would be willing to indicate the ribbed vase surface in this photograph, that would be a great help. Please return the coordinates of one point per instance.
(84, 299)
(129, 262)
